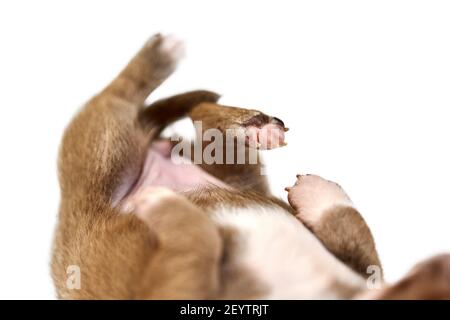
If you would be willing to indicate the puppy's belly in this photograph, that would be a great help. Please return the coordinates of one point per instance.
(287, 260)
(160, 169)
(175, 173)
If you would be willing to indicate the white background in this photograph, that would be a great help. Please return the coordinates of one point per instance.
(363, 85)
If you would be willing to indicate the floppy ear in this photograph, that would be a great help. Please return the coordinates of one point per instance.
(163, 112)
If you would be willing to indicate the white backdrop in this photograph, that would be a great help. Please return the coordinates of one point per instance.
(363, 85)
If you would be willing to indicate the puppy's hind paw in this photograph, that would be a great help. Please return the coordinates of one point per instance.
(264, 132)
(173, 47)
(165, 51)
(144, 202)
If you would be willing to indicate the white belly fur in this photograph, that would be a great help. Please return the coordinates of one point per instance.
(284, 255)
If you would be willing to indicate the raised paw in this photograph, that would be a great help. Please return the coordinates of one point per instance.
(165, 51)
(264, 132)
(311, 196)
(172, 47)
(259, 130)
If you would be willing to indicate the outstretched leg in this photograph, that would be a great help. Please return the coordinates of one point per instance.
(147, 70)
(238, 165)
(228, 139)
(103, 148)
(328, 212)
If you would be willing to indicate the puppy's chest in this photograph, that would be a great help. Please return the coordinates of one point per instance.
(277, 251)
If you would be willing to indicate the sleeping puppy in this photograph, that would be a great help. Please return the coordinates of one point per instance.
(140, 225)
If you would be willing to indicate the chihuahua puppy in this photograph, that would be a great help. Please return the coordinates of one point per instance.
(139, 225)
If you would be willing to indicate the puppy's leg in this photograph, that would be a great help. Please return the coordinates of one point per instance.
(429, 279)
(242, 132)
(262, 132)
(186, 263)
(104, 146)
(325, 208)
(147, 70)
(168, 249)
(100, 157)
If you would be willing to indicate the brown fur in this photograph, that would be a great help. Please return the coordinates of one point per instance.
(344, 232)
(120, 256)
(177, 252)
(104, 144)
(428, 280)
(245, 176)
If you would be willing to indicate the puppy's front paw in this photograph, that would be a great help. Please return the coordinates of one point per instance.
(311, 196)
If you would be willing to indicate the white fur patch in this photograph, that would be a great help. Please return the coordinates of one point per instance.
(284, 255)
(173, 47)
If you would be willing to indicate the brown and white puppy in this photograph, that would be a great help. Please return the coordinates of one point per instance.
(140, 226)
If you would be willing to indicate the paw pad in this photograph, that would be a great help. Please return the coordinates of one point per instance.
(264, 132)
(311, 196)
